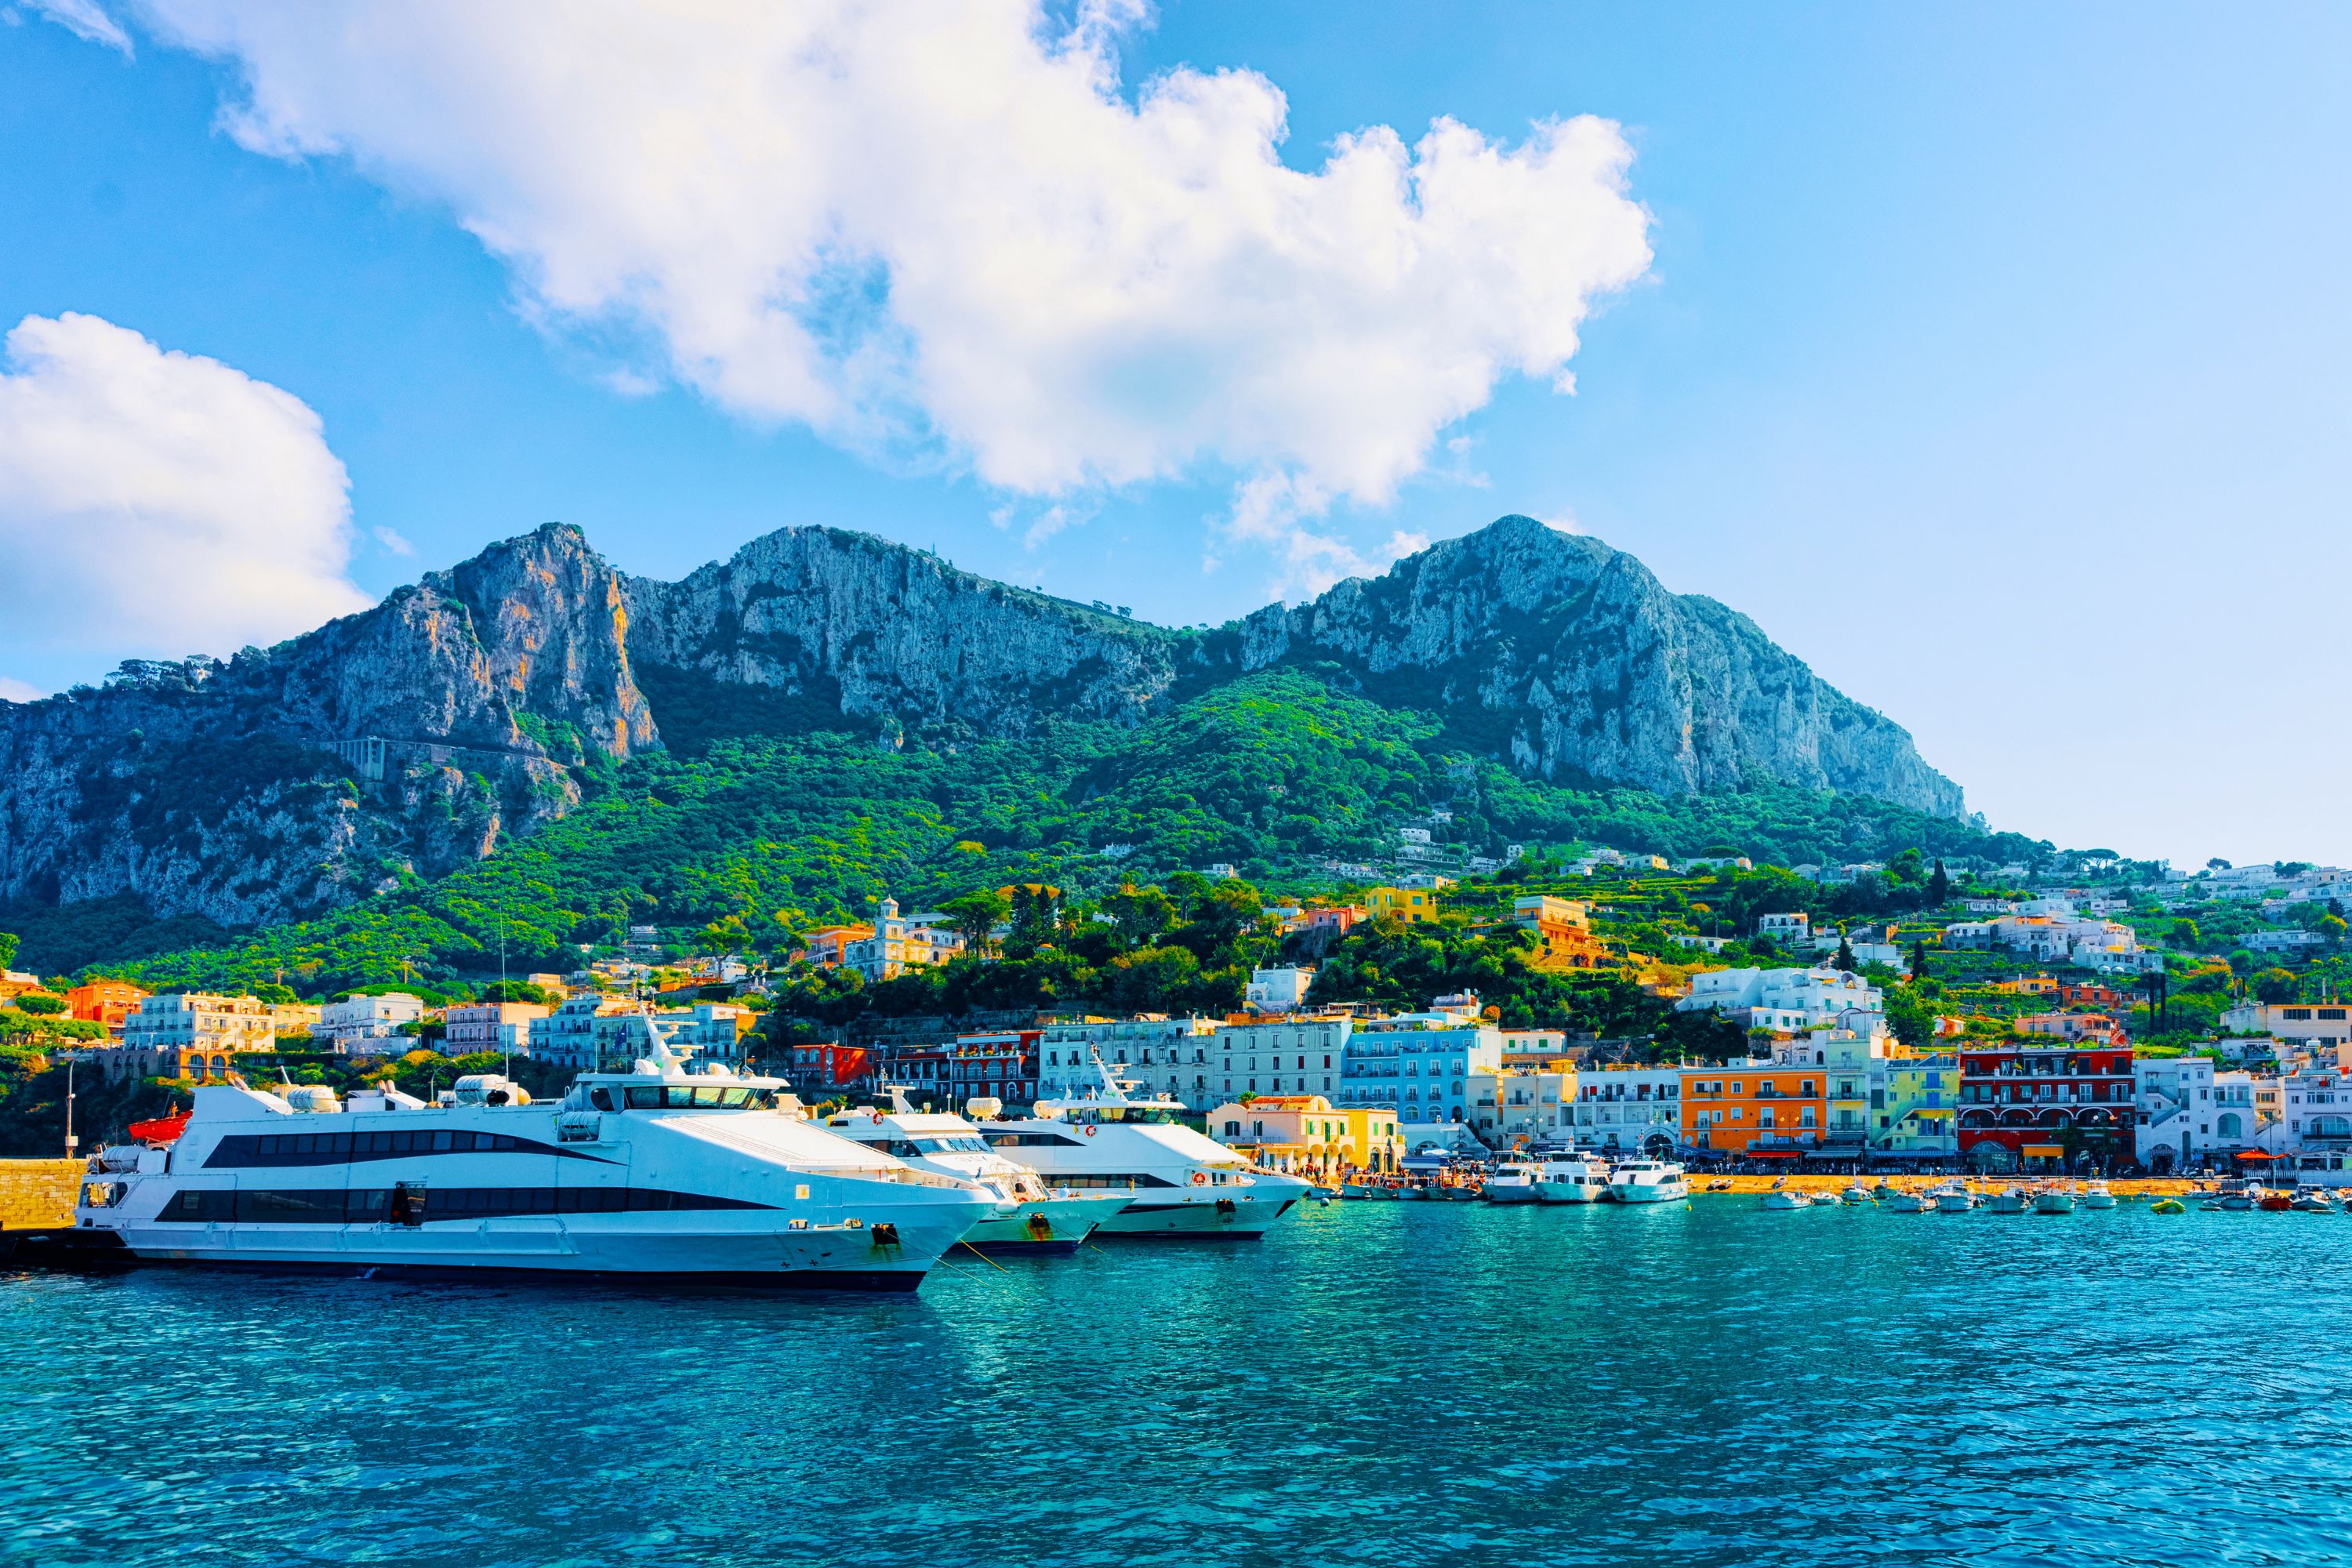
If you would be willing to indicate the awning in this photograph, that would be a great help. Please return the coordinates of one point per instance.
(2052, 1150)
(1776, 1153)
(2253, 1154)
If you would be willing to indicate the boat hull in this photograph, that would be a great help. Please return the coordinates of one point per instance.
(1043, 1226)
(1237, 1219)
(1657, 1195)
(1563, 1192)
(1526, 1194)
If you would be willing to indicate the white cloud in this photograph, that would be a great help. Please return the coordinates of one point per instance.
(393, 541)
(937, 222)
(14, 691)
(160, 503)
(87, 20)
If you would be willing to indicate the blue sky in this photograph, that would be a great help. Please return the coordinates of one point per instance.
(1991, 358)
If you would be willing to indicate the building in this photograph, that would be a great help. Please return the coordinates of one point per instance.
(1630, 1110)
(825, 945)
(1563, 932)
(2185, 1123)
(1915, 1106)
(2311, 1023)
(568, 1036)
(1769, 1106)
(188, 1034)
(2046, 1106)
(2318, 1130)
(1410, 905)
(1286, 1056)
(1308, 1133)
(1781, 999)
(2076, 1026)
(501, 1027)
(357, 1025)
(1537, 1105)
(1793, 930)
(900, 942)
(708, 1031)
(107, 1002)
(1278, 990)
(1337, 921)
(999, 1066)
(1416, 1064)
(1166, 1057)
(830, 1070)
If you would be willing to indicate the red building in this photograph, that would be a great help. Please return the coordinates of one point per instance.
(2091, 993)
(823, 1071)
(2046, 1107)
(993, 1066)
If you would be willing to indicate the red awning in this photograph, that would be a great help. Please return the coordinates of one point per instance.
(1776, 1153)
(2253, 1154)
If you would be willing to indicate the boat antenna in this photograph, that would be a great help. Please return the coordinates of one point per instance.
(506, 1069)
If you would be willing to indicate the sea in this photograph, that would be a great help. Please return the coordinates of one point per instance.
(1379, 1384)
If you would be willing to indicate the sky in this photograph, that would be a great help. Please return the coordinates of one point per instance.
(1991, 358)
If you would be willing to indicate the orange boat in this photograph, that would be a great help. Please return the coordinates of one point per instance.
(160, 1130)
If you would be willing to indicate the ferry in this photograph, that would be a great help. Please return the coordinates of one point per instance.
(1647, 1182)
(1180, 1183)
(1031, 1218)
(650, 1174)
(1572, 1179)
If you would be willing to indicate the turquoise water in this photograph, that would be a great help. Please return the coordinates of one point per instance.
(1379, 1384)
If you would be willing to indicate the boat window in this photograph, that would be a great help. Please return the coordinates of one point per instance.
(602, 1098)
(951, 1145)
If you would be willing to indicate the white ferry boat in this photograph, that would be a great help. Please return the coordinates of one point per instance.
(1030, 1216)
(1572, 1179)
(1180, 1183)
(638, 1176)
(1647, 1182)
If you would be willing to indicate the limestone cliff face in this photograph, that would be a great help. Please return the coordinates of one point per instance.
(866, 628)
(416, 735)
(1568, 658)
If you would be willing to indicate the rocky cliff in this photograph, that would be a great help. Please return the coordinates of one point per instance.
(412, 737)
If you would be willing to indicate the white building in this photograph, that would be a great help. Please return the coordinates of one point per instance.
(1781, 999)
(2287, 940)
(568, 1036)
(2313, 1023)
(501, 1027)
(1538, 1104)
(1284, 1056)
(1278, 990)
(357, 1025)
(1788, 930)
(2318, 1120)
(1416, 1064)
(1159, 1056)
(1632, 1111)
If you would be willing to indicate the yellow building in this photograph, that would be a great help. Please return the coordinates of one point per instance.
(1308, 1133)
(1913, 1109)
(1410, 905)
(1563, 933)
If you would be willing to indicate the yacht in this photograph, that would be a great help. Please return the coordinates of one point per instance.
(1514, 1182)
(1179, 1183)
(649, 1174)
(1031, 1218)
(1572, 1179)
(1787, 1198)
(1647, 1182)
(2098, 1196)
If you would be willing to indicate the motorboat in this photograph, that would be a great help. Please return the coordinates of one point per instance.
(2054, 1198)
(2313, 1201)
(1033, 1218)
(2235, 1194)
(2010, 1199)
(1572, 1179)
(1855, 1196)
(1951, 1197)
(1647, 1182)
(1900, 1202)
(1355, 1187)
(1462, 1191)
(1514, 1182)
(1180, 1183)
(2098, 1196)
(652, 1173)
(2274, 1200)
(1787, 1198)
(1884, 1191)
(1416, 1192)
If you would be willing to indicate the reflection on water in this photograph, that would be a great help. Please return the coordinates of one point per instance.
(1378, 1383)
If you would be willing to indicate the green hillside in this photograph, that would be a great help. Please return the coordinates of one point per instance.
(755, 832)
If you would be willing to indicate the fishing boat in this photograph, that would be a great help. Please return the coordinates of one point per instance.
(1355, 1187)
(1514, 1182)
(1647, 1182)
(2011, 1199)
(1900, 1202)
(1785, 1198)
(2098, 1196)
(2274, 1201)
(652, 1173)
(2055, 1197)
(1572, 1179)
(1855, 1195)
(1951, 1197)
(1415, 1191)
(2313, 1201)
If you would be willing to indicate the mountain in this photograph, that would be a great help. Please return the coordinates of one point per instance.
(476, 708)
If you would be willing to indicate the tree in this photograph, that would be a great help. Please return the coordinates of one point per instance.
(2275, 985)
(40, 1005)
(2332, 929)
(1940, 885)
(1846, 954)
(1919, 958)
(2185, 932)
(9, 944)
(975, 917)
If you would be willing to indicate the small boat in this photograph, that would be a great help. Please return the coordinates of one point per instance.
(2275, 1202)
(2054, 1199)
(1415, 1191)
(1387, 1192)
(2009, 1200)
(1855, 1196)
(2313, 1202)
(1720, 1185)
(2235, 1194)
(1459, 1193)
(1780, 1198)
(1900, 1202)
(1355, 1189)
(1514, 1182)
(2167, 1205)
(1885, 1190)
(1952, 1197)
(1323, 1192)
(2098, 1196)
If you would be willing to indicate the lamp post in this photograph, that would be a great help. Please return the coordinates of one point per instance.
(70, 1140)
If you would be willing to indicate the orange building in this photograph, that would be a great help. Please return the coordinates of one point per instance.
(1563, 933)
(825, 945)
(107, 1002)
(1755, 1107)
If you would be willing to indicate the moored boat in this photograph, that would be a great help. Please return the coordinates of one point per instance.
(1951, 1197)
(1572, 1179)
(1514, 1182)
(1784, 1199)
(2053, 1198)
(2098, 1196)
(1900, 1202)
(1032, 1217)
(1647, 1182)
(2010, 1199)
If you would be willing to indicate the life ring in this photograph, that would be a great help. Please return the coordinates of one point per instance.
(877, 1119)
(1200, 1178)
(1090, 1131)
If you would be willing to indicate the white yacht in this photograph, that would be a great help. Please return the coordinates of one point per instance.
(1572, 1179)
(1952, 1197)
(1787, 1198)
(652, 1173)
(1647, 1182)
(1180, 1183)
(1030, 1216)
(1514, 1182)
